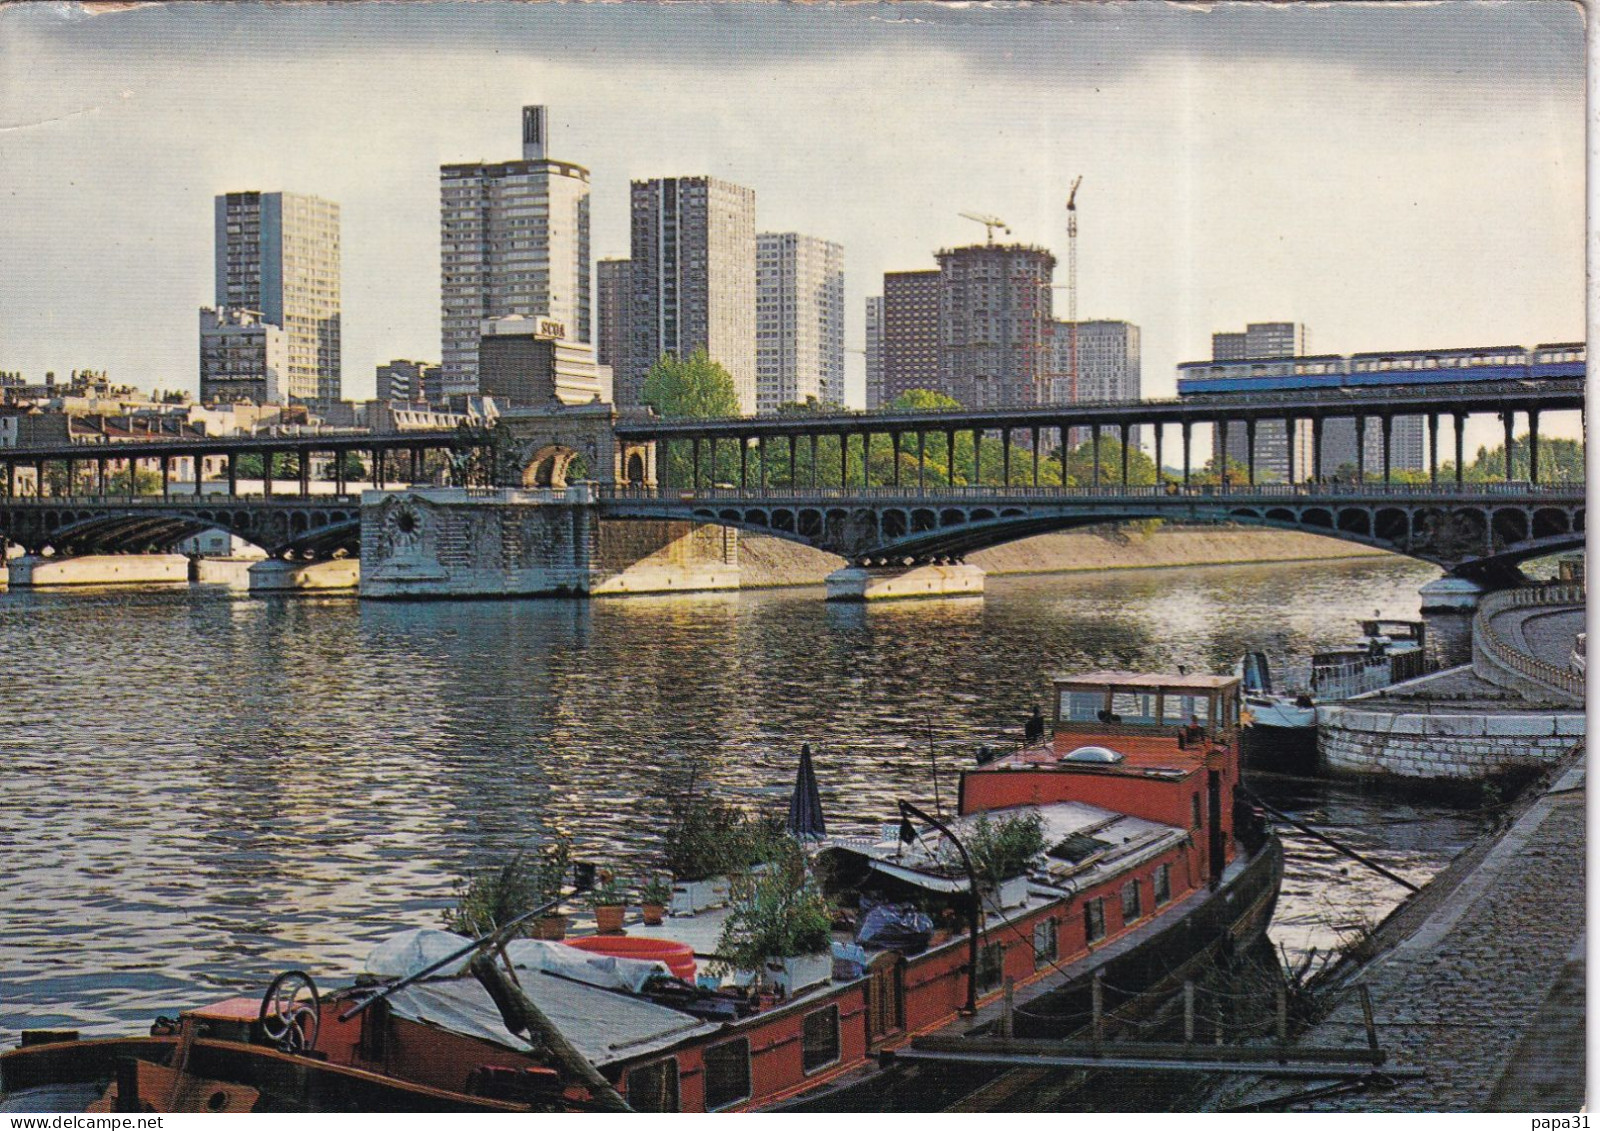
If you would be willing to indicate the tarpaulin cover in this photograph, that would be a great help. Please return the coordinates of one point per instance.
(406, 953)
(897, 927)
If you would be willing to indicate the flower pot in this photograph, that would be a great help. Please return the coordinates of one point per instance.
(653, 914)
(551, 928)
(801, 972)
(608, 918)
(691, 896)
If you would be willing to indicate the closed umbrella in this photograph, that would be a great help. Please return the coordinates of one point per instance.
(805, 807)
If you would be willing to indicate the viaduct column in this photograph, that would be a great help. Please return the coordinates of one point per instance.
(1250, 449)
(1460, 420)
(1508, 418)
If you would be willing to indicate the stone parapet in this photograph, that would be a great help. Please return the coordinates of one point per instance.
(1498, 659)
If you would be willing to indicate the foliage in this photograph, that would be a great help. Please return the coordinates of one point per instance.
(694, 388)
(354, 469)
(655, 891)
(1081, 462)
(489, 900)
(1004, 846)
(555, 862)
(253, 465)
(787, 915)
(705, 837)
(608, 891)
(1559, 461)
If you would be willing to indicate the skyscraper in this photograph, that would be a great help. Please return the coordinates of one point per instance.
(694, 280)
(994, 318)
(1260, 340)
(910, 332)
(874, 352)
(514, 239)
(277, 256)
(613, 294)
(1108, 362)
(1263, 341)
(799, 320)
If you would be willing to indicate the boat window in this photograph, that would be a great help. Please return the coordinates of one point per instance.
(1094, 919)
(1082, 706)
(1162, 882)
(1194, 811)
(1135, 707)
(1131, 909)
(820, 1039)
(727, 1073)
(654, 1087)
(1044, 942)
(991, 966)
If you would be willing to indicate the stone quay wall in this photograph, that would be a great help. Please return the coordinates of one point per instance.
(1435, 745)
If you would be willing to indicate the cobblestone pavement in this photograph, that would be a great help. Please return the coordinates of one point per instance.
(1459, 996)
(1547, 635)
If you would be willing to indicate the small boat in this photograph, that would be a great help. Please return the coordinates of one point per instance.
(1148, 865)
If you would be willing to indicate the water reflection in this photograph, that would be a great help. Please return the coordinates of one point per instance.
(205, 788)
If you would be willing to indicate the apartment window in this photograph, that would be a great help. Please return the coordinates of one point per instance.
(727, 1073)
(1044, 942)
(1131, 909)
(1094, 919)
(819, 1041)
(654, 1087)
(1162, 881)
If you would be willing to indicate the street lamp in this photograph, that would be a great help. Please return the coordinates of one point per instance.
(908, 834)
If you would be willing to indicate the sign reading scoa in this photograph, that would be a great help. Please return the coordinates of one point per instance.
(550, 328)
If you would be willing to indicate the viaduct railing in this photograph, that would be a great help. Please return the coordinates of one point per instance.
(1491, 649)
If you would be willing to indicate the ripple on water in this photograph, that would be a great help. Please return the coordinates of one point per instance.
(284, 783)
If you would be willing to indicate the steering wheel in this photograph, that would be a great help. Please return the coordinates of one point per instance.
(290, 1021)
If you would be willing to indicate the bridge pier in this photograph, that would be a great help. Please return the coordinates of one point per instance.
(275, 575)
(883, 583)
(1448, 607)
(33, 571)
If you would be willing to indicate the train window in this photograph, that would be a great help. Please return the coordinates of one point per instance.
(727, 1073)
(1044, 942)
(1094, 919)
(1131, 908)
(654, 1087)
(1161, 880)
(819, 1039)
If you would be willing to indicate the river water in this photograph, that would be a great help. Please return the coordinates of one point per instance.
(201, 789)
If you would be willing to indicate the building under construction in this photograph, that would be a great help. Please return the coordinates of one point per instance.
(995, 324)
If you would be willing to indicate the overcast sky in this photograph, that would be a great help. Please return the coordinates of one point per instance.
(1394, 177)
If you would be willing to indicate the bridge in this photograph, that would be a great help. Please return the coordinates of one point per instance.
(882, 514)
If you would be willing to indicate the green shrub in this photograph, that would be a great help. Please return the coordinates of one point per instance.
(786, 915)
(1004, 846)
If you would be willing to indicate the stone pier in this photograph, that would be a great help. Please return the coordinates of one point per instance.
(442, 542)
(33, 572)
(857, 583)
(275, 576)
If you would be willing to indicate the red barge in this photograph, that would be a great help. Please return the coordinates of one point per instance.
(1150, 868)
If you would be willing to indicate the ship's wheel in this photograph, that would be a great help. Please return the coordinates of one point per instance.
(289, 1018)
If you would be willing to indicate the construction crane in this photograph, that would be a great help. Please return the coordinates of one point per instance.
(1072, 290)
(990, 223)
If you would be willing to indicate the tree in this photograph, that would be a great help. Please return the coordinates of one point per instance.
(1080, 465)
(1559, 461)
(693, 388)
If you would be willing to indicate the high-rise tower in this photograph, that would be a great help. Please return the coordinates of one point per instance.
(514, 239)
(694, 280)
(799, 320)
(277, 256)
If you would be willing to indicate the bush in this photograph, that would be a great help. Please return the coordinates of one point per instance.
(710, 838)
(1004, 846)
(787, 915)
(489, 900)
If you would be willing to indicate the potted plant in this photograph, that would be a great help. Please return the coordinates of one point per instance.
(783, 932)
(706, 840)
(654, 896)
(487, 901)
(610, 902)
(1002, 849)
(555, 860)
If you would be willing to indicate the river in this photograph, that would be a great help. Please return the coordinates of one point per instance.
(202, 789)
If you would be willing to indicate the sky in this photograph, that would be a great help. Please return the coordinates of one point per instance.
(1392, 176)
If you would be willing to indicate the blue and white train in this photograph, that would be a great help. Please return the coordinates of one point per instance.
(1408, 367)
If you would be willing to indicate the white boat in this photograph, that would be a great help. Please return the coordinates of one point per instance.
(1388, 652)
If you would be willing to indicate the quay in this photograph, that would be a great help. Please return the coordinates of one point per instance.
(1478, 979)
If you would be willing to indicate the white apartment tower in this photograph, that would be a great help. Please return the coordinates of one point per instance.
(513, 239)
(799, 320)
(277, 257)
(874, 352)
(694, 280)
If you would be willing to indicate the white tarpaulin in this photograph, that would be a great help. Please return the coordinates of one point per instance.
(410, 951)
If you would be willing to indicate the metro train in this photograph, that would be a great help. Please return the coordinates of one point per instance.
(1407, 367)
